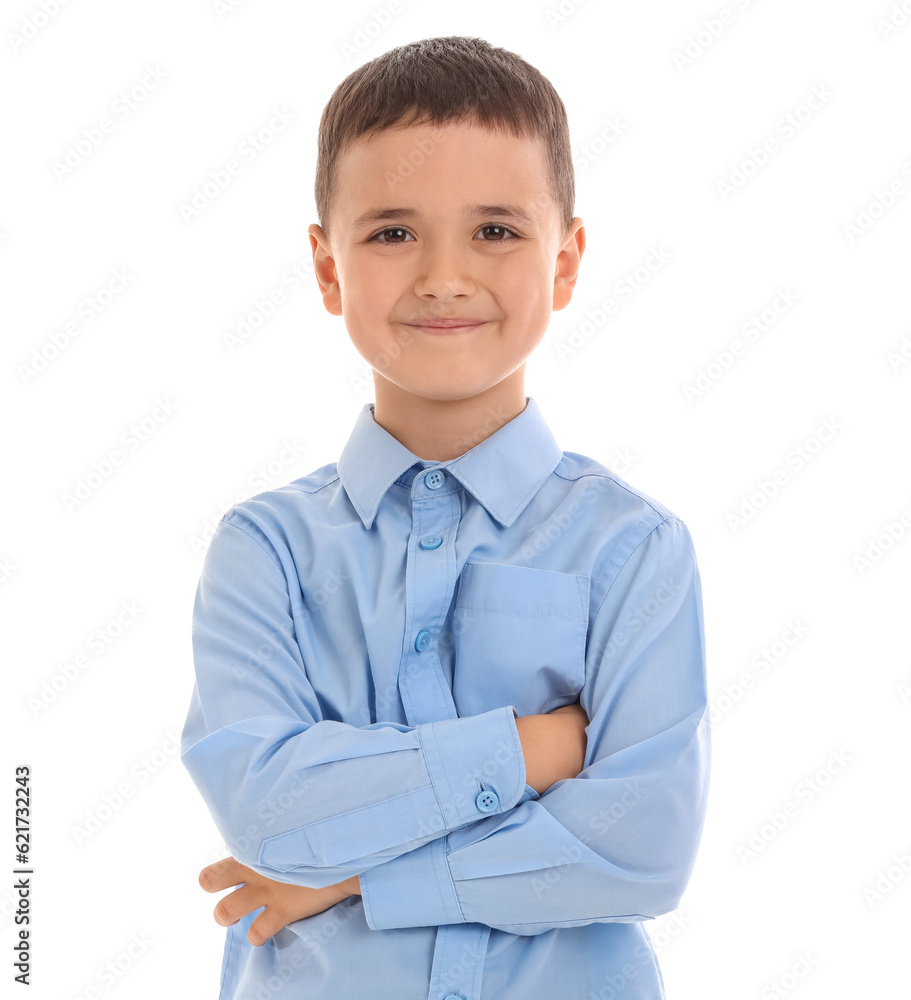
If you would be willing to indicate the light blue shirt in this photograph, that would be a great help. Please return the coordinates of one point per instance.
(364, 638)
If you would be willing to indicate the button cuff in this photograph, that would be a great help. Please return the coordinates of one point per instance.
(487, 801)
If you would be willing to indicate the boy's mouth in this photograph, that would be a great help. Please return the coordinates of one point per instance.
(454, 325)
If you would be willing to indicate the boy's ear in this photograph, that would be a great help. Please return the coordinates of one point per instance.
(325, 271)
(567, 268)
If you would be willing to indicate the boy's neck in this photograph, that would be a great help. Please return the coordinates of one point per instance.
(438, 430)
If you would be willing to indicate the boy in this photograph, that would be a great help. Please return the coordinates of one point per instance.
(450, 709)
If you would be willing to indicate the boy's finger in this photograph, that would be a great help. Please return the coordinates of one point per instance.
(237, 904)
(223, 874)
(269, 922)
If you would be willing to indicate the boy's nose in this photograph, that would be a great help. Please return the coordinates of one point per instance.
(444, 273)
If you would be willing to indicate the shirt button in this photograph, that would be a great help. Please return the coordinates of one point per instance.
(421, 640)
(434, 479)
(487, 801)
(431, 542)
(453, 996)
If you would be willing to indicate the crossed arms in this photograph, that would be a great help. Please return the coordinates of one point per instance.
(553, 746)
(378, 805)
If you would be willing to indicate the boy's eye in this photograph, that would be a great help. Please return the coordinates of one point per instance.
(395, 230)
(501, 232)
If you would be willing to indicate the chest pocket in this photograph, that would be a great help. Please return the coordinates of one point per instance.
(519, 638)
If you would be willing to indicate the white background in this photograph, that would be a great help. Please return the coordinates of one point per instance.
(820, 738)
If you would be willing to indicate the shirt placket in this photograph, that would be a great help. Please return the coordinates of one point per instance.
(459, 949)
(429, 581)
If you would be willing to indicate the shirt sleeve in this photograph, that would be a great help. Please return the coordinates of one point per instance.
(618, 842)
(298, 797)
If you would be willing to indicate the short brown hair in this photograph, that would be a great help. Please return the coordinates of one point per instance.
(441, 81)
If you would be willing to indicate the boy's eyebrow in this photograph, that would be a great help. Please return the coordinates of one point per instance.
(511, 212)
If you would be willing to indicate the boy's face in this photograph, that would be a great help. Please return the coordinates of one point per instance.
(429, 252)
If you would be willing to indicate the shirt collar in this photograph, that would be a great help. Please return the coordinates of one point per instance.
(503, 472)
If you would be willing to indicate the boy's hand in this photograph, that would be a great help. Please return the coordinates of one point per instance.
(553, 744)
(284, 903)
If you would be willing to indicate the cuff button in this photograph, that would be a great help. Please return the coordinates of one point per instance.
(487, 801)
